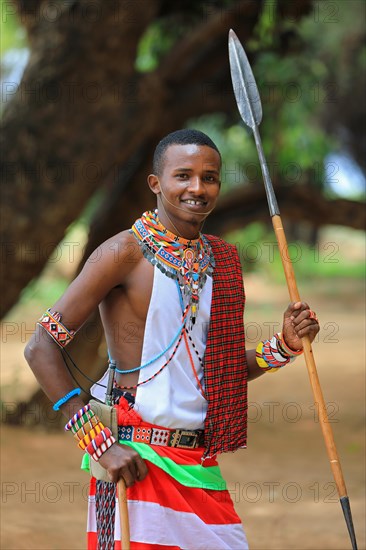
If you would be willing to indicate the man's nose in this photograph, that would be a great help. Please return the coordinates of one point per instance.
(195, 184)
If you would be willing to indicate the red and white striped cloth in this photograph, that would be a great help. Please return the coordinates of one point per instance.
(166, 514)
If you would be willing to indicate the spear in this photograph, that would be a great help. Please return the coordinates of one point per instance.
(250, 108)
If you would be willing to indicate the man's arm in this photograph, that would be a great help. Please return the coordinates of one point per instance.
(296, 324)
(43, 355)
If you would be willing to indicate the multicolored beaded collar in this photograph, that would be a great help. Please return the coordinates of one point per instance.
(186, 261)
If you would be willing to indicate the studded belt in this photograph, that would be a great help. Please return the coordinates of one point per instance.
(184, 439)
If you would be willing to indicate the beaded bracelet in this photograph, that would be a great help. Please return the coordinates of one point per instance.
(87, 417)
(83, 443)
(89, 424)
(103, 448)
(65, 398)
(101, 438)
(91, 434)
(76, 417)
(100, 444)
(96, 442)
(262, 360)
(271, 356)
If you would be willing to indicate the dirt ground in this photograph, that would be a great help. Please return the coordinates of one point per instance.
(281, 484)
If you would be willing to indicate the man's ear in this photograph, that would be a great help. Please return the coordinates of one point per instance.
(154, 184)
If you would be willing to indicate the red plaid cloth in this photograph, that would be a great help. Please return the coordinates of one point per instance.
(225, 366)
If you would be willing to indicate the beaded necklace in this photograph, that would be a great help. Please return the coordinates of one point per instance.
(187, 261)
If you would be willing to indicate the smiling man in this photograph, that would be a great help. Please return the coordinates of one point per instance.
(171, 301)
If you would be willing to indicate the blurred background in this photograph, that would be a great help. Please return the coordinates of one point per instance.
(88, 89)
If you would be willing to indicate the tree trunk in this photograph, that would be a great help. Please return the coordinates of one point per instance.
(82, 115)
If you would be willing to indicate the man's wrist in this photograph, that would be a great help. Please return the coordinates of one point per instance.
(271, 355)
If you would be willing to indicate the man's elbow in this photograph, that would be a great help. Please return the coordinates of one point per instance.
(32, 351)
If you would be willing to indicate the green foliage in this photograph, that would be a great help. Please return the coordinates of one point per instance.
(12, 34)
(45, 290)
(264, 33)
(235, 144)
(331, 257)
(154, 44)
(296, 91)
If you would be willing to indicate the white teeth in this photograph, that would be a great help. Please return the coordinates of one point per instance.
(193, 202)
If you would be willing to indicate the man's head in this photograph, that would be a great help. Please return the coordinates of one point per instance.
(186, 180)
(179, 137)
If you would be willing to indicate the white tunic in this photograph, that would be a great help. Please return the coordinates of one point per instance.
(172, 399)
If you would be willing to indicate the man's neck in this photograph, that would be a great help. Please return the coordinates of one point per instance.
(185, 229)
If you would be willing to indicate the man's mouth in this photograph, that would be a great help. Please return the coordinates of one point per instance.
(195, 202)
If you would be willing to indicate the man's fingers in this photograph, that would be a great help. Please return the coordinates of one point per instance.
(301, 316)
(127, 472)
(295, 308)
(142, 469)
(128, 475)
(136, 470)
(122, 461)
(304, 324)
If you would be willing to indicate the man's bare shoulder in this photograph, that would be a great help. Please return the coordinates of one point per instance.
(108, 267)
(120, 250)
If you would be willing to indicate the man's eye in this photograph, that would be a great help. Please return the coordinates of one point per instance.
(182, 176)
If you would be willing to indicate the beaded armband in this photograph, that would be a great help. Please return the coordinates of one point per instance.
(51, 322)
(271, 355)
(90, 433)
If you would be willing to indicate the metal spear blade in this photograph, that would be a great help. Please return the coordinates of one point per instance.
(245, 87)
(250, 107)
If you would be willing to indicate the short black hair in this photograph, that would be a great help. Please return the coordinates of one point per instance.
(179, 137)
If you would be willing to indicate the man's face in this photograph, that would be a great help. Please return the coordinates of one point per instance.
(189, 182)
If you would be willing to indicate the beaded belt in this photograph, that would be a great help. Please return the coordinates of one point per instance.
(184, 439)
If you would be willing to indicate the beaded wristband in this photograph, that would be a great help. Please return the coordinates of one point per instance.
(89, 424)
(96, 438)
(100, 444)
(65, 398)
(261, 362)
(101, 437)
(88, 416)
(83, 443)
(103, 448)
(96, 442)
(270, 356)
(76, 417)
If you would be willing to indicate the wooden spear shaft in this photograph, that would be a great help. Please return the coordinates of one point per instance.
(295, 297)
(123, 514)
(310, 362)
